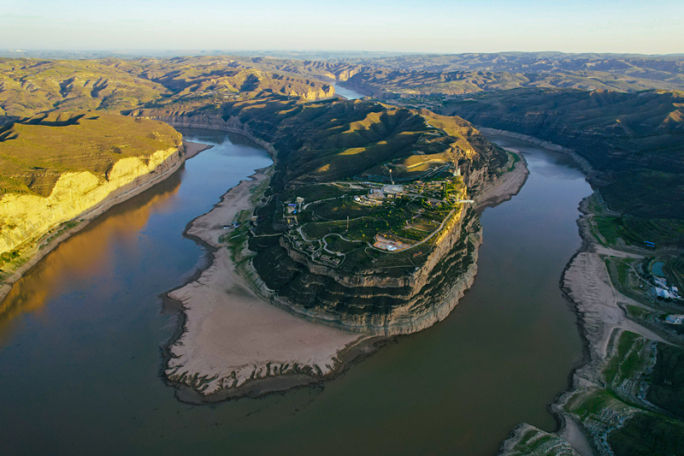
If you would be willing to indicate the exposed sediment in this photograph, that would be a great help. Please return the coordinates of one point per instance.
(233, 341)
(587, 284)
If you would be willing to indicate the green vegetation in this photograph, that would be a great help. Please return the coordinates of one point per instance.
(666, 380)
(62, 228)
(535, 442)
(638, 313)
(674, 270)
(629, 359)
(641, 409)
(636, 230)
(36, 151)
(646, 434)
(592, 405)
(633, 140)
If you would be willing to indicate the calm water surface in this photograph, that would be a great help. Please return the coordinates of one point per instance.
(80, 338)
(347, 93)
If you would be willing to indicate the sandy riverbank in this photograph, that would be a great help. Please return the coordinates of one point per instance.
(600, 309)
(232, 337)
(193, 148)
(599, 306)
(508, 185)
(234, 342)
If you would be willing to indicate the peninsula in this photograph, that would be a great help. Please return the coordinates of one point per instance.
(365, 224)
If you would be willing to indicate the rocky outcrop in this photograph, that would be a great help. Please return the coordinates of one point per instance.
(26, 217)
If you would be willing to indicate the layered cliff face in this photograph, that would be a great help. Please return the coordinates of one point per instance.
(60, 170)
(28, 217)
(327, 153)
(377, 300)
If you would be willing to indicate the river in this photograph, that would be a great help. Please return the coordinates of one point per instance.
(80, 337)
(349, 94)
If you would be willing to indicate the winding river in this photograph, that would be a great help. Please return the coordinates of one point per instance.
(80, 337)
(349, 94)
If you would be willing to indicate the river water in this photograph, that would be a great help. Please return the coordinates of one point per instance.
(80, 338)
(349, 94)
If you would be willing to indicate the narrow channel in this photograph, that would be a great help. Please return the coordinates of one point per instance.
(347, 93)
(80, 337)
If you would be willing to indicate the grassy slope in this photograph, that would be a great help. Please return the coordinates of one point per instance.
(35, 151)
(31, 86)
(635, 140)
(331, 140)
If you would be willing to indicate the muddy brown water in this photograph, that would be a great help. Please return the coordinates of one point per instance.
(80, 338)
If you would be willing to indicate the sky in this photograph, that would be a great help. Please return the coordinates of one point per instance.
(430, 26)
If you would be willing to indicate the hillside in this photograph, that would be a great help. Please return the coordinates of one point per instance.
(430, 74)
(634, 141)
(58, 170)
(334, 240)
(28, 86)
(665, 68)
(35, 152)
(626, 396)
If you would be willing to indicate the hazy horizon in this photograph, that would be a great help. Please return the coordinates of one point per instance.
(406, 27)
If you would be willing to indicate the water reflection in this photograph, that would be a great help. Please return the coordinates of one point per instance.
(89, 254)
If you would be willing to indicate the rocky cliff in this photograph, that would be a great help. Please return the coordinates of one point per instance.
(42, 205)
(27, 218)
(374, 301)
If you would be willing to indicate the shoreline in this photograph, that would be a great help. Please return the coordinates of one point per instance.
(586, 284)
(586, 167)
(231, 341)
(567, 428)
(38, 252)
(192, 149)
(508, 186)
(208, 360)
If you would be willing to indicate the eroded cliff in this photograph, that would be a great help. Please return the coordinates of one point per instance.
(48, 192)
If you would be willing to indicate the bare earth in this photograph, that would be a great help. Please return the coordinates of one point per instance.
(192, 148)
(232, 335)
(507, 186)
